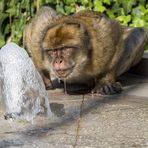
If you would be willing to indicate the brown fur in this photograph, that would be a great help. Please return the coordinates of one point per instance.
(101, 53)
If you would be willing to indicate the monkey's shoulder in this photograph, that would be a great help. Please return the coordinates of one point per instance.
(89, 14)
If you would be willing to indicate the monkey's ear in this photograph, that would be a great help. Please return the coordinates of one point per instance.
(47, 11)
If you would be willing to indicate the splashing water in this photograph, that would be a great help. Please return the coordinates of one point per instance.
(22, 88)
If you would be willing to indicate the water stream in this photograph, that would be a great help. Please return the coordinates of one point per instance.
(65, 86)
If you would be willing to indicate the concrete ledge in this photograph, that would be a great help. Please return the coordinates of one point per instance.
(142, 67)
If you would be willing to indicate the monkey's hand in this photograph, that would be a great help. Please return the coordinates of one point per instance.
(110, 88)
(46, 79)
(48, 84)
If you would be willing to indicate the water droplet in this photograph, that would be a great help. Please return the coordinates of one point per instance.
(92, 94)
(65, 87)
(59, 80)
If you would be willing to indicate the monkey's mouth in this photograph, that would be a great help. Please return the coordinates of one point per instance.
(63, 73)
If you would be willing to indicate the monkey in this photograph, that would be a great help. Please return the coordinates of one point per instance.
(86, 47)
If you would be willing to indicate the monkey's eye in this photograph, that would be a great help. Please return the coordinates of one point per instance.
(51, 53)
(67, 50)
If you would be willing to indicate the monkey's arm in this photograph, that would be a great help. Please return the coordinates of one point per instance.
(134, 42)
(108, 48)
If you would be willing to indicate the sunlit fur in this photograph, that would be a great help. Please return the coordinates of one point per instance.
(101, 46)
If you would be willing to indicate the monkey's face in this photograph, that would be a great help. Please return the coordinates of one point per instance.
(61, 63)
(65, 50)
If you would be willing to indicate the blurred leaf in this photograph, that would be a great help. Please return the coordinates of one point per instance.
(84, 2)
(69, 9)
(142, 2)
(69, 2)
(2, 41)
(98, 6)
(146, 6)
(124, 19)
(110, 13)
(107, 2)
(137, 22)
(139, 11)
(145, 17)
(127, 5)
(6, 29)
(11, 11)
(3, 17)
(60, 8)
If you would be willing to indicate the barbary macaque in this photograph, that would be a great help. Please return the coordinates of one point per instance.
(86, 47)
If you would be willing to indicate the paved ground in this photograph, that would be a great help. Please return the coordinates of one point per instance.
(86, 121)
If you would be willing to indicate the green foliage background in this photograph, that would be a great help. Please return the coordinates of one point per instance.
(14, 14)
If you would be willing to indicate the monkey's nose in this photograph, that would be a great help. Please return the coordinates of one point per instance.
(59, 64)
(59, 61)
